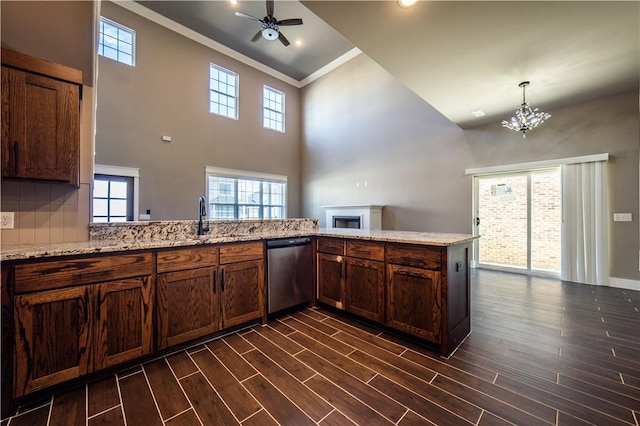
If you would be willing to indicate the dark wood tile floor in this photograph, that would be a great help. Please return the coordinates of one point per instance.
(541, 352)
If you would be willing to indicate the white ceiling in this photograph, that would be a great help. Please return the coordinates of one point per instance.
(458, 56)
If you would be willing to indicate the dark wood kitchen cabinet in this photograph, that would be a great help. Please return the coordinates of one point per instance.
(188, 294)
(428, 292)
(202, 290)
(351, 276)
(242, 289)
(364, 280)
(414, 301)
(330, 271)
(80, 315)
(40, 119)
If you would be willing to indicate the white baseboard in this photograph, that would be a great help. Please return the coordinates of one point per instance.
(624, 283)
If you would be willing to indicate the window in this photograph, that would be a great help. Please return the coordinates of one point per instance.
(273, 109)
(112, 198)
(236, 194)
(116, 42)
(115, 193)
(223, 92)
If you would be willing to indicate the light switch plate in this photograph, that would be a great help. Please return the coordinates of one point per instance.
(622, 217)
(6, 220)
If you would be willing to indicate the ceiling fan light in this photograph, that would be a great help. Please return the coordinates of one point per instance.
(270, 34)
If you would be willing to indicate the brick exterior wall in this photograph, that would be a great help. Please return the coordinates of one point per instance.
(503, 215)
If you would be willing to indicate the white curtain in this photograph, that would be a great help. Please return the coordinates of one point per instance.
(585, 236)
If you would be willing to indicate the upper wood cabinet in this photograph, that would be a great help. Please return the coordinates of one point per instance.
(40, 119)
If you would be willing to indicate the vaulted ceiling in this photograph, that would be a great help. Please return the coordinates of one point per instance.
(459, 56)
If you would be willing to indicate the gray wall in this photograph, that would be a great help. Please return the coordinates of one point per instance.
(360, 125)
(167, 93)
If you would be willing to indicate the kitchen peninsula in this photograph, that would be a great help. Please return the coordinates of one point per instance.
(138, 289)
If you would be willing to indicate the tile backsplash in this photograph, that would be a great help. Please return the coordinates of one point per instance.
(45, 212)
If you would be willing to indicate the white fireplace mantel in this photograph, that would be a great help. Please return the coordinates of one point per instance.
(370, 215)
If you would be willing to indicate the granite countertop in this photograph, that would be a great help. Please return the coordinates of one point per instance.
(22, 252)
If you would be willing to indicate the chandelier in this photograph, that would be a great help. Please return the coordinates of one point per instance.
(526, 118)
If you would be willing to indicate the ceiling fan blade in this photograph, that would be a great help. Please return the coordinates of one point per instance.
(244, 15)
(269, 7)
(283, 39)
(289, 22)
(257, 36)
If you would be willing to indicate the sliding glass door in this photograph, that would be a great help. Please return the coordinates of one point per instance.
(518, 216)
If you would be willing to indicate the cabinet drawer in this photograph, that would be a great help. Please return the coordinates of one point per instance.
(240, 252)
(189, 258)
(331, 246)
(419, 257)
(364, 250)
(30, 277)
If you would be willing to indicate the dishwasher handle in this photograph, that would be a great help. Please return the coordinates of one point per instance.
(288, 242)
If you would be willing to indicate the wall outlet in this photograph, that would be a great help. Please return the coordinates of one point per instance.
(6, 220)
(622, 217)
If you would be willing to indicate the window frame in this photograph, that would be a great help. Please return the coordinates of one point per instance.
(122, 172)
(120, 27)
(235, 97)
(244, 175)
(266, 121)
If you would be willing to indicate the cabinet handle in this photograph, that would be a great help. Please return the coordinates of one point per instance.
(222, 281)
(214, 282)
(15, 157)
(99, 303)
(414, 275)
(86, 305)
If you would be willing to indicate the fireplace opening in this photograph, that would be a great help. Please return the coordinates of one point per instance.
(353, 222)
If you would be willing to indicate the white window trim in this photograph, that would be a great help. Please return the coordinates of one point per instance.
(234, 173)
(536, 164)
(236, 97)
(219, 171)
(133, 41)
(102, 169)
(284, 105)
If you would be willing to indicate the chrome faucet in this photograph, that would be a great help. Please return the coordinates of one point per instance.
(202, 207)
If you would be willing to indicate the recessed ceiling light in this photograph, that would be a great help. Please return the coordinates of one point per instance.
(233, 2)
(298, 42)
(407, 3)
(478, 113)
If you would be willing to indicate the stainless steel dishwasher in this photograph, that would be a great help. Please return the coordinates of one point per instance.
(290, 273)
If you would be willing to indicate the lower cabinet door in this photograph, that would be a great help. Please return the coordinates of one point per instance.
(124, 313)
(53, 335)
(242, 292)
(414, 302)
(329, 280)
(364, 288)
(188, 305)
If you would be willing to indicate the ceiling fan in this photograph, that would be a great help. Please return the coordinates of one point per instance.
(270, 25)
